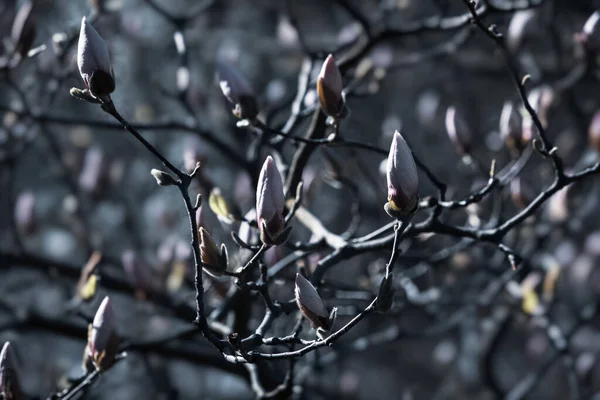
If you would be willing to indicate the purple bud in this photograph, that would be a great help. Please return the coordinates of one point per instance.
(402, 179)
(329, 88)
(310, 303)
(103, 341)
(237, 90)
(93, 61)
(269, 203)
(458, 130)
(10, 387)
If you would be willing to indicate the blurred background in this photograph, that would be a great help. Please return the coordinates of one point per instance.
(75, 188)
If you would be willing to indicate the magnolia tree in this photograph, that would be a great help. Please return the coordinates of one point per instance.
(272, 261)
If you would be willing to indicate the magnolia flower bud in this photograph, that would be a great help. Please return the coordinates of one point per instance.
(311, 306)
(519, 27)
(594, 132)
(541, 100)
(237, 90)
(23, 30)
(590, 34)
(163, 178)
(402, 179)
(520, 193)
(511, 126)
(94, 62)
(214, 262)
(269, 205)
(10, 387)
(103, 341)
(136, 271)
(25, 217)
(329, 88)
(459, 131)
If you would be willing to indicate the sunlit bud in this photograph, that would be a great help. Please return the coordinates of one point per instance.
(163, 178)
(541, 100)
(329, 88)
(385, 295)
(520, 193)
(519, 27)
(402, 179)
(103, 341)
(136, 271)
(10, 387)
(511, 126)
(25, 217)
(237, 90)
(94, 62)
(310, 304)
(594, 132)
(214, 262)
(590, 34)
(225, 210)
(23, 29)
(459, 131)
(269, 205)
(557, 207)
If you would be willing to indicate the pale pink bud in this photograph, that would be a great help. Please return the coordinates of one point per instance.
(269, 204)
(402, 179)
(103, 341)
(590, 34)
(25, 217)
(93, 172)
(329, 88)
(93, 61)
(459, 131)
(237, 90)
(519, 27)
(10, 387)
(136, 271)
(310, 304)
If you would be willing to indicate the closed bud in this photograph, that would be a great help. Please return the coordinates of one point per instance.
(92, 177)
(23, 30)
(225, 210)
(25, 217)
(162, 178)
(237, 90)
(590, 34)
(93, 61)
(594, 132)
(511, 126)
(329, 89)
(402, 179)
(541, 100)
(214, 262)
(310, 304)
(269, 205)
(103, 341)
(10, 387)
(136, 271)
(385, 295)
(459, 131)
(520, 26)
